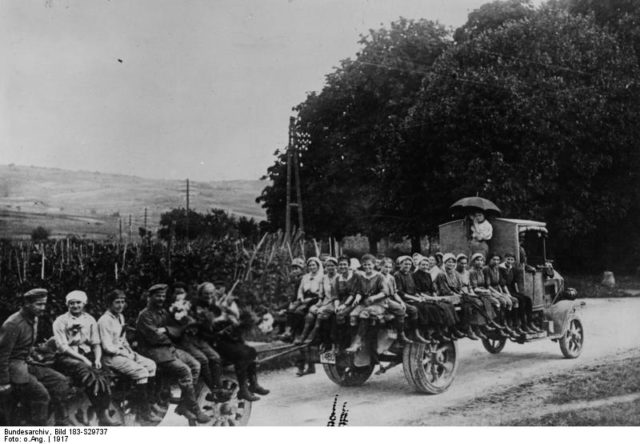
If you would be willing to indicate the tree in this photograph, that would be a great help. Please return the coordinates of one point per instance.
(538, 115)
(493, 15)
(350, 129)
(40, 234)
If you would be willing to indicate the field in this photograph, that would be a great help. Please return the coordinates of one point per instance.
(90, 204)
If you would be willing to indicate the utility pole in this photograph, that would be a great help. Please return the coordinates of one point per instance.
(129, 228)
(120, 223)
(187, 223)
(293, 161)
(145, 220)
(296, 166)
(287, 221)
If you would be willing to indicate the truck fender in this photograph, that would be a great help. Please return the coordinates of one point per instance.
(561, 313)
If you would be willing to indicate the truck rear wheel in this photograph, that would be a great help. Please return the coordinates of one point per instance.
(494, 346)
(430, 368)
(348, 376)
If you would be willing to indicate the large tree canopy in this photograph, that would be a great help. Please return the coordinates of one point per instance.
(539, 115)
(351, 126)
(535, 108)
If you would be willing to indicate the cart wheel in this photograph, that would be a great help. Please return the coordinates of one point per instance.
(83, 414)
(348, 376)
(430, 368)
(572, 341)
(493, 345)
(234, 412)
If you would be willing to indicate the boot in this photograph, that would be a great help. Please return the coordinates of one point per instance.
(471, 334)
(479, 333)
(359, 339)
(154, 397)
(254, 387)
(493, 323)
(144, 411)
(311, 368)
(189, 407)
(458, 334)
(244, 392)
(218, 392)
(308, 325)
(419, 338)
(287, 336)
(398, 324)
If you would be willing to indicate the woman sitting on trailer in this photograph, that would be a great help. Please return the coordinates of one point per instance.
(479, 287)
(322, 311)
(309, 291)
(345, 288)
(439, 314)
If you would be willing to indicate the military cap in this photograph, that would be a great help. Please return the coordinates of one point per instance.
(157, 287)
(36, 293)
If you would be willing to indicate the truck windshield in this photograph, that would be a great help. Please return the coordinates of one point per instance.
(533, 243)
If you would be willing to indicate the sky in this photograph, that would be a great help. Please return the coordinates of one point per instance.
(169, 89)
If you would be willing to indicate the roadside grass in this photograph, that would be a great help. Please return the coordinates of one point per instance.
(596, 382)
(562, 399)
(588, 286)
(623, 414)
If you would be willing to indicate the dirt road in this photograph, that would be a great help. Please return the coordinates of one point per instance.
(611, 328)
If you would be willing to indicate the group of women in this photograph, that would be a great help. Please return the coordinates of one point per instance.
(437, 297)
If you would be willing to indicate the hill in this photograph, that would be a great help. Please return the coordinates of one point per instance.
(92, 204)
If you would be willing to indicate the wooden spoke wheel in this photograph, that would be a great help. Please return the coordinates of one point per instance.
(348, 376)
(233, 412)
(430, 368)
(494, 345)
(572, 341)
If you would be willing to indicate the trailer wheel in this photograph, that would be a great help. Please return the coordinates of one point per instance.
(348, 376)
(234, 412)
(573, 339)
(494, 346)
(430, 368)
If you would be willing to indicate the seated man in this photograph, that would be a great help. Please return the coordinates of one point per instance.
(523, 316)
(497, 286)
(36, 385)
(286, 313)
(78, 341)
(186, 338)
(118, 356)
(154, 343)
(219, 327)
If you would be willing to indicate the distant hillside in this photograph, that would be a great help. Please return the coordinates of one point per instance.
(92, 203)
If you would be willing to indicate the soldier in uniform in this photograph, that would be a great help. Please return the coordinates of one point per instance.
(36, 385)
(154, 343)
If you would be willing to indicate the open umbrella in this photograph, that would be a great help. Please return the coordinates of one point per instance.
(476, 203)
